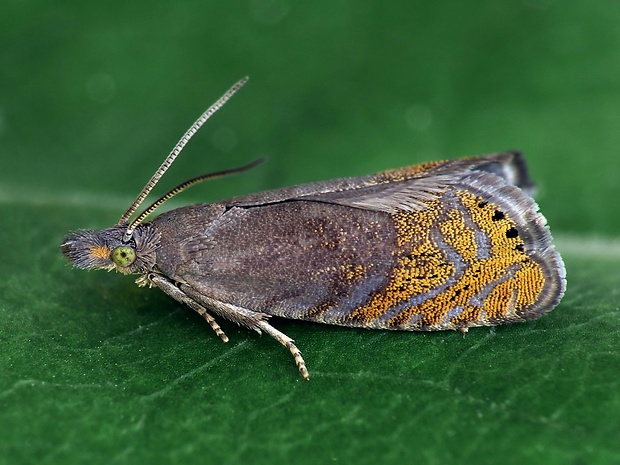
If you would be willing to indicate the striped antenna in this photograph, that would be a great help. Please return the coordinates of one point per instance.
(184, 185)
(174, 154)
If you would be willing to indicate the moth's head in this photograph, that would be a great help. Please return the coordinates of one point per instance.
(105, 249)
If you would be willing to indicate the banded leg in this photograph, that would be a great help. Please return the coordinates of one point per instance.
(251, 319)
(288, 343)
(174, 292)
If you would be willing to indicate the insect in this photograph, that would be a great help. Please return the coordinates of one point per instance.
(434, 246)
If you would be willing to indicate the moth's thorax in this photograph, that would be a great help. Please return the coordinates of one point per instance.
(105, 249)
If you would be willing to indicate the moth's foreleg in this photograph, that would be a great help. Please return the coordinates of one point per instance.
(169, 288)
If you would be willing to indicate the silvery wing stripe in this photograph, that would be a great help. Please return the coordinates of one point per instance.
(451, 256)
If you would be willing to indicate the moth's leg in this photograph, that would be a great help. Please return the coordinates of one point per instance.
(288, 343)
(253, 320)
(173, 291)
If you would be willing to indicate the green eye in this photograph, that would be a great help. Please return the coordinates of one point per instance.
(123, 256)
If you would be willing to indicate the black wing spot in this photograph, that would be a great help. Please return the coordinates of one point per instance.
(512, 233)
(498, 215)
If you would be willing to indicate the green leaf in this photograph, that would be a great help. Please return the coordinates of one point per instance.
(95, 370)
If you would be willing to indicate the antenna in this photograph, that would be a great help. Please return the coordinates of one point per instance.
(174, 154)
(189, 183)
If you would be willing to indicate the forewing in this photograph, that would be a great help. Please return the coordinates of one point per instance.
(443, 245)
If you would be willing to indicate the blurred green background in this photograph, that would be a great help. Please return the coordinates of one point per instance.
(94, 95)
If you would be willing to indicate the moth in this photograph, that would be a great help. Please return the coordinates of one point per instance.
(433, 246)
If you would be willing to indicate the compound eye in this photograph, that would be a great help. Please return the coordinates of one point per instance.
(123, 256)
